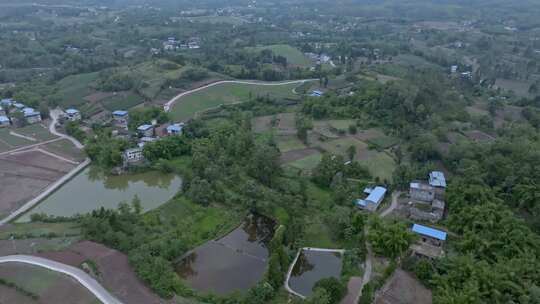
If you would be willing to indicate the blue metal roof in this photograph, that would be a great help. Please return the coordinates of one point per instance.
(120, 113)
(437, 179)
(72, 111)
(361, 202)
(427, 231)
(18, 105)
(174, 128)
(376, 195)
(4, 118)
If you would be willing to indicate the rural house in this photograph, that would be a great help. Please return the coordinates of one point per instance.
(316, 94)
(430, 243)
(120, 119)
(437, 179)
(6, 103)
(4, 121)
(132, 156)
(374, 199)
(31, 115)
(2, 111)
(145, 130)
(73, 115)
(421, 191)
(175, 129)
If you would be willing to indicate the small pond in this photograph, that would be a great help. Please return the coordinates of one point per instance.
(313, 266)
(92, 189)
(236, 261)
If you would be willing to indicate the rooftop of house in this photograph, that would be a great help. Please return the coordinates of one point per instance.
(376, 194)
(72, 111)
(174, 128)
(316, 93)
(428, 231)
(133, 150)
(18, 105)
(28, 110)
(420, 186)
(4, 118)
(145, 127)
(437, 179)
(120, 113)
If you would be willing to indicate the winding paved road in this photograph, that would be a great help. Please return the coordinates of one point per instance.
(55, 114)
(82, 277)
(167, 106)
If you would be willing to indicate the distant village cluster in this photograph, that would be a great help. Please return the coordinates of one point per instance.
(145, 133)
(15, 113)
(424, 203)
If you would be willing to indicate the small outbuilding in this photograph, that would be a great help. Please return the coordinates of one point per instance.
(175, 129)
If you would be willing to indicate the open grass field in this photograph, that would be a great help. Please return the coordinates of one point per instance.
(38, 229)
(73, 89)
(294, 56)
(65, 148)
(341, 145)
(342, 124)
(406, 287)
(47, 286)
(380, 165)
(307, 163)
(37, 131)
(289, 143)
(12, 141)
(202, 223)
(383, 142)
(227, 93)
(120, 101)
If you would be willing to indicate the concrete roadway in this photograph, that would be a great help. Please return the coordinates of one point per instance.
(82, 277)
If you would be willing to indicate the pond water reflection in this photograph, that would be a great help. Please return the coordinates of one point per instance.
(237, 261)
(313, 266)
(92, 189)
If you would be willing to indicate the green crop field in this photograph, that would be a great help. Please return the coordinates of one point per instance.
(307, 163)
(72, 89)
(380, 165)
(227, 93)
(294, 56)
(37, 131)
(122, 101)
(13, 141)
(289, 143)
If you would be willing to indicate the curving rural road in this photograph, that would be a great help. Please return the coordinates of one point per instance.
(167, 106)
(82, 277)
(55, 114)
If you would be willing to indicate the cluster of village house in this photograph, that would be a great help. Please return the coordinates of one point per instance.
(9, 113)
(145, 133)
(425, 203)
(171, 44)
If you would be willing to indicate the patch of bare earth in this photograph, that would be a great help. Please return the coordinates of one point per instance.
(25, 175)
(98, 96)
(293, 155)
(403, 288)
(11, 295)
(115, 273)
(479, 136)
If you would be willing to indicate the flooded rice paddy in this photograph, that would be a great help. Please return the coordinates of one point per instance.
(313, 266)
(236, 261)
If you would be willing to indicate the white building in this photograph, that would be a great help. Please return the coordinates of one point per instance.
(4, 121)
(132, 156)
(73, 115)
(146, 130)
